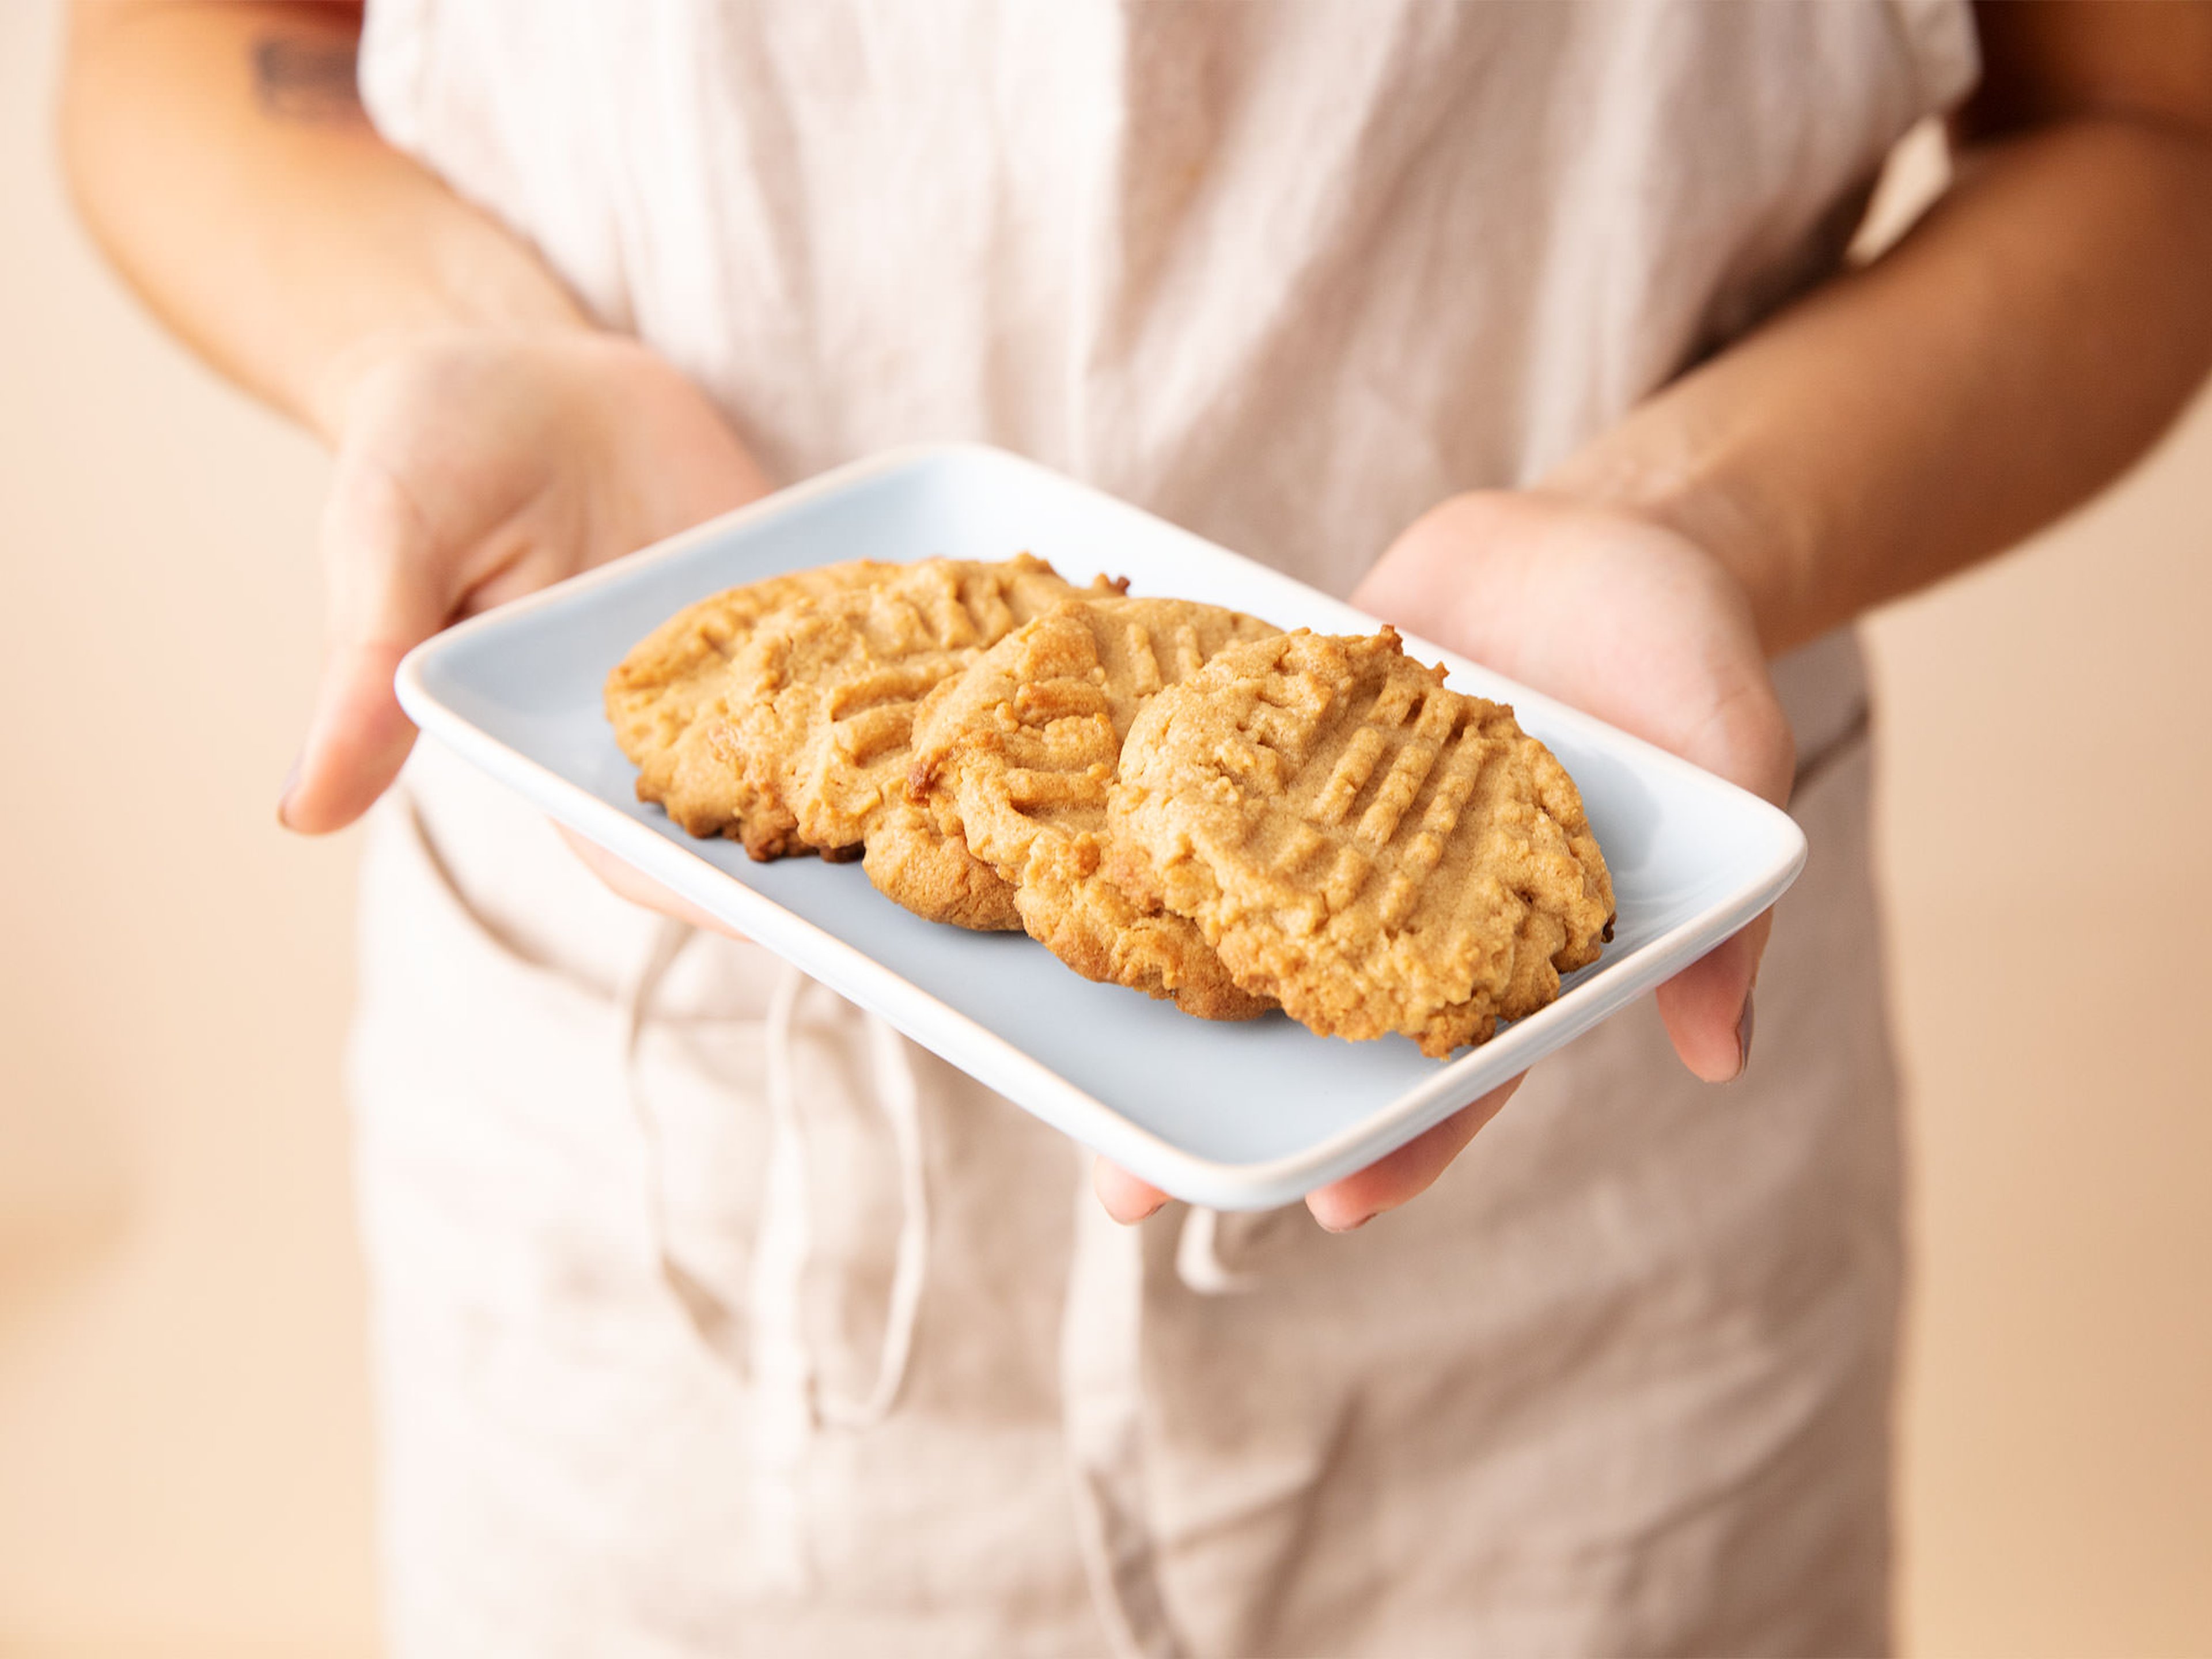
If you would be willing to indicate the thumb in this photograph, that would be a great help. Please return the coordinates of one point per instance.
(386, 598)
(1707, 1008)
(357, 739)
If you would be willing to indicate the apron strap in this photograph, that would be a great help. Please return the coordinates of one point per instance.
(769, 1353)
(1101, 1399)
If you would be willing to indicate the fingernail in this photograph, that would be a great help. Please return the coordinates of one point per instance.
(284, 795)
(1351, 1227)
(1743, 1034)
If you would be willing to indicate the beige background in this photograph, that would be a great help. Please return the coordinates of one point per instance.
(184, 1414)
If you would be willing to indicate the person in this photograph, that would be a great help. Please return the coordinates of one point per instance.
(709, 1315)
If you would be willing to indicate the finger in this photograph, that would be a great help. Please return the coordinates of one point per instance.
(357, 739)
(1126, 1198)
(629, 882)
(385, 599)
(1406, 1173)
(1707, 1006)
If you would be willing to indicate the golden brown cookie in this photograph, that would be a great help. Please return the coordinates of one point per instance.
(661, 697)
(822, 703)
(682, 700)
(1017, 755)
(1375, 850)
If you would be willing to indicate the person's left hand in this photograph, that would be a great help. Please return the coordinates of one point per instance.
(1629, 622)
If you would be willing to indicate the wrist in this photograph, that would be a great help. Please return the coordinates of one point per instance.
(332, 394)
(1650, 469)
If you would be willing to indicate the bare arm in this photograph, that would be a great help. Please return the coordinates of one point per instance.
(219, 153)
(2029, 338)
(489, 440)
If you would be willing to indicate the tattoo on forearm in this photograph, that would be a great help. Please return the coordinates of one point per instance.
(307, 79)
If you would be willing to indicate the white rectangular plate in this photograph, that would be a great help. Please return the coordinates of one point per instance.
(1238, 1116)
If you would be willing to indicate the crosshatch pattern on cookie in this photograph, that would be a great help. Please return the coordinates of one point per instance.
(1353, 791)
(824, 693)
(1017, 759)
(1381, 852)
(664, 696)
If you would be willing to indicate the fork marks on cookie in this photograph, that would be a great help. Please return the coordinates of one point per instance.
(1382, 851)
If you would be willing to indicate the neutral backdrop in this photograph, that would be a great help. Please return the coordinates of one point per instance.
(184, 1411)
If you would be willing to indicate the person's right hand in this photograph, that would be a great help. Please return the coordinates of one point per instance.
(474, 467)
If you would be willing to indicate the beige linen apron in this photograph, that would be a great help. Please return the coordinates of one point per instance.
(711, 1317)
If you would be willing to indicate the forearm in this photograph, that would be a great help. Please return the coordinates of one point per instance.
(2029, 339)
(220, 157)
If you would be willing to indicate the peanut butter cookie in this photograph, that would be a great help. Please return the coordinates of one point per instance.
(821, 706)
(664, 694)
(1016, 757)
(1377, 851)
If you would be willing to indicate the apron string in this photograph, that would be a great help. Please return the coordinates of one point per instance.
(773, 1353)
(1102, 1400)
(1197, 1257)
(710, 1317)
(899, 1096)
(782, 1418)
